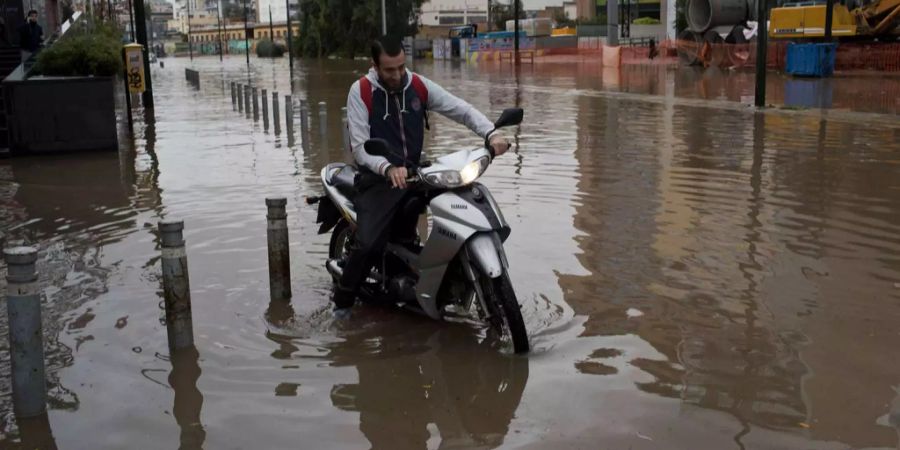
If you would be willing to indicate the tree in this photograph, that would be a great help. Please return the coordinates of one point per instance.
(501, 13)
(335, 26)
(562, 20)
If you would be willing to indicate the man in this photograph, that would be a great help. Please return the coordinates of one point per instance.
(31, 35)
(390, 102)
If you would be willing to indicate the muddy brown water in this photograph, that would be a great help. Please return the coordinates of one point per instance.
(692, 275)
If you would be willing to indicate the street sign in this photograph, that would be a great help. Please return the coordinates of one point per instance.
(134, 68)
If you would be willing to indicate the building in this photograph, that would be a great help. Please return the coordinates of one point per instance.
(453, 12)
(279, 10)
(236, 32)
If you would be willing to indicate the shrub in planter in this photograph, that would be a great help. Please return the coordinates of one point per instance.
(268, 49)
(86, 53)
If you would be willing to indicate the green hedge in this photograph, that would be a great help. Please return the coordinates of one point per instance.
(268, 49)
(97, 52)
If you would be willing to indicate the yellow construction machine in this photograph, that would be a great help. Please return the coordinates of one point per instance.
(861, 21)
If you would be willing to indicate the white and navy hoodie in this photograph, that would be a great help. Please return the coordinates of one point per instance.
(399, 118)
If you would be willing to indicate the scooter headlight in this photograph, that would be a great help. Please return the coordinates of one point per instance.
(473, 170)
(454, 179)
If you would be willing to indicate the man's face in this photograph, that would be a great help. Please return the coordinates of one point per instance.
(32, 17)
(390, 70)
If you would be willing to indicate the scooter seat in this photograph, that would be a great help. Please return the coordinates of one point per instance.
(343, 180)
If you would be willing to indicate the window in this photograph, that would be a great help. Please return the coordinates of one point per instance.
(451, 20)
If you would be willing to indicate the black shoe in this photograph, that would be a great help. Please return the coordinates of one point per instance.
(343, 298)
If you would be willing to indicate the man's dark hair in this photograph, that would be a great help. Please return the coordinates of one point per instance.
(389, 45)
(33, 11)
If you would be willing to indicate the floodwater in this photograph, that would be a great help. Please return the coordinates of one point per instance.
(692, 275)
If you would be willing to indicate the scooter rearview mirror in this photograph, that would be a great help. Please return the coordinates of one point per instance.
(510, 116)
(377, 147)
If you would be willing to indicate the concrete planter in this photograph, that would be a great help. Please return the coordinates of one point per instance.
(53, 114)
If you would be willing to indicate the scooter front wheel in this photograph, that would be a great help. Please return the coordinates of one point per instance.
(506, 315)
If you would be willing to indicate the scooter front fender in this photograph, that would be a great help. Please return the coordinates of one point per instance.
(484, 253)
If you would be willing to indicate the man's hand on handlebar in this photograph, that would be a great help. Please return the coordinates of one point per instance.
(397, 175)
(499, 143)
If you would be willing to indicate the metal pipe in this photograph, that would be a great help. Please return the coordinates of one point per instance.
(23, 308)
(233, 98)
(279, 254)
(239, 90)
(701, 15)
(176, 285)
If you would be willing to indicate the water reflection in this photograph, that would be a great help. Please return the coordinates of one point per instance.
(72, 207)
(428, 386)
(188, 399)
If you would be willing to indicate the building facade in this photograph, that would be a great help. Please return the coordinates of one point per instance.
(453, 12)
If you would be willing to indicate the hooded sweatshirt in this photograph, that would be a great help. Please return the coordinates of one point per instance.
(399, 118)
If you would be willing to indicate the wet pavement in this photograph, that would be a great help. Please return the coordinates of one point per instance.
(692, 274)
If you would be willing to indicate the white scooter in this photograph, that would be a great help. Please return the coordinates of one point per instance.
(461, 270)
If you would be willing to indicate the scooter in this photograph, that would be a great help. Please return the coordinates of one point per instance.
(461, 271)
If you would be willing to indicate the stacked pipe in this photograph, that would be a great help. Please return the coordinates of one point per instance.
(712, 23)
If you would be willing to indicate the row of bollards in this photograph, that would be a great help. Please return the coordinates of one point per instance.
(246, 99)
(23, 302)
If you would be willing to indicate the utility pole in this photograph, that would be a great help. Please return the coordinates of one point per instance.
(271, 28)
(219, 19)
(141, 23)
(290, 43)
(829, 18)
(516, 29)
(190, 39)
(762, 44)
(383, 19)
(131, 19)
(612, 22)
(246, 40)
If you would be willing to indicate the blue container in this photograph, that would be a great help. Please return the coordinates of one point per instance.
(811, 60)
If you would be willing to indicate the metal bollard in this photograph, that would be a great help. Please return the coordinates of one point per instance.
(323, 118)
(233, 98)
(265, 109)
(279, 254)
(239, 91)
(23, 307)
(289, 113)
(345, 131)
(304, 117)
(247, 108)
(275, 115)
(255, 105)
(176, 285)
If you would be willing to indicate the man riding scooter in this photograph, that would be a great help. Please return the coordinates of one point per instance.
(391, 103)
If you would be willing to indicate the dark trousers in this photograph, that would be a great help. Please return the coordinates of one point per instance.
(380, 217)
